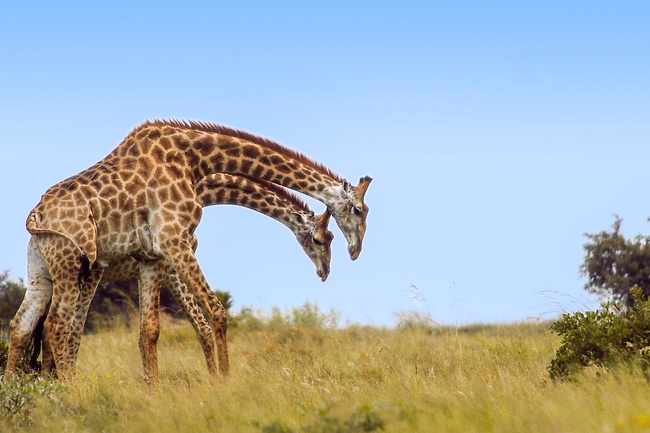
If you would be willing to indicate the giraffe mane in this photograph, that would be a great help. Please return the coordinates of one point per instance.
(236, 133)
(273, 187)
(282, 192)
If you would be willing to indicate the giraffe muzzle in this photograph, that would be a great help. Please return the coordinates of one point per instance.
(354, 251)
(323, 273)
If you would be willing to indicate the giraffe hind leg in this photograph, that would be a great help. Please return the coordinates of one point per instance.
(81, 312)
(62, 260)
(32, 308)
(86, 295)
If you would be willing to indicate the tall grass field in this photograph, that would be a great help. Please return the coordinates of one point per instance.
(288, 376)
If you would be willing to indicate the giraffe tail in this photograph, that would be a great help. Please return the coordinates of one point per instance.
(37, 341)
(33, 223)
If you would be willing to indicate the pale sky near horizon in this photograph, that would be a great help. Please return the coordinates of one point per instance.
(497, 134)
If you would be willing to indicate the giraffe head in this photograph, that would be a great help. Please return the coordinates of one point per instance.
(315, 238)
(350, 213)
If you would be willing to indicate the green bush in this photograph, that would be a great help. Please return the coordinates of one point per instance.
(364, 419)
(603, 338)
(25, 364)
(11, 295)
(245, 319)
(18, 397)
(306, 316)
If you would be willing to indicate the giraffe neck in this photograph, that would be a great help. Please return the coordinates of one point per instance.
(259, 195)
(167, 159)
(207, 149)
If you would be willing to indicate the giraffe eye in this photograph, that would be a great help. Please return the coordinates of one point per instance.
(356, 210)
(317, 241)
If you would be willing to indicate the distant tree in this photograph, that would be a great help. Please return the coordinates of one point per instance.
(613, 264)
(114, 303)
(225, 298)
(11, 295)
(117, 303)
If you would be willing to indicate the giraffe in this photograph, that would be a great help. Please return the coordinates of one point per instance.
(265, 197)
(140, 201)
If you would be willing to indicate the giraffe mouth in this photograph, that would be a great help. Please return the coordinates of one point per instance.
(323, 274)
(354, 251)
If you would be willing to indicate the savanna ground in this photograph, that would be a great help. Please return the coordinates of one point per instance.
(288, 376)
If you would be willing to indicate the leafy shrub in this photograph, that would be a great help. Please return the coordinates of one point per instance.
(603, 338)
(306, 316)
(310, 316)
(18, 396)
(25, 364)
(11, 295)
(364, 419)
(245, 319)
(116, 304)
(275, 427)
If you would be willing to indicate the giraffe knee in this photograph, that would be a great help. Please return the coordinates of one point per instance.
(204, 331)
(18, 328)
(220, 319)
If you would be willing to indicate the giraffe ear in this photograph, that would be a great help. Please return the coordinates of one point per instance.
(299, 218)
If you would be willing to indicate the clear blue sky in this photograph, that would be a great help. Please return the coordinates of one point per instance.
(497, 133)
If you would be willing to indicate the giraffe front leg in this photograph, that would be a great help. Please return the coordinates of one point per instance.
(34, 305)
(189, 271)
(149, 285)
(186, 300)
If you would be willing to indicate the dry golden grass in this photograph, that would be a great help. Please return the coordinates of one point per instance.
(311, 379)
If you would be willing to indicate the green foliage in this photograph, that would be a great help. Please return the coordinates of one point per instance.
(225, 298)
(11, 295)
(116, 304)
(18, 398)
(603, 338)
(245, 319)
(614, 264)
(274, 427)
(364, 419)
(619, 269)
(307, 316)
(24, 363)
(310, 316)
